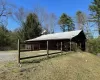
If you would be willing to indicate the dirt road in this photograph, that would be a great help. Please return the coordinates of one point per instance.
(7, 56)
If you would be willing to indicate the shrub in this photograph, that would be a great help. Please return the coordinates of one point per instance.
(93, 45)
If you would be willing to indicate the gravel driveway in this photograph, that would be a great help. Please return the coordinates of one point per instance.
(7, 56)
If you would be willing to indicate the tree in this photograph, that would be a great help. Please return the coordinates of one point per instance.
(19, 15)
(95, 13)
(5, 12)
(42, 15)
(44, 18)
(13, 36)
(32, 27)
(4, 37)
(83, 23)
(66, 23)
(81, 19)
(52, 22)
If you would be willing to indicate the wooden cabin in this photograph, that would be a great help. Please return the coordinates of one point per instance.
(57, 41)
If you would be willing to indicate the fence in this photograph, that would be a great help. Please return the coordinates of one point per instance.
(64, 46)
(22, 48)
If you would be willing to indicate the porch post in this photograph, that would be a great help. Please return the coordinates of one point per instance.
(85, 45)
(39, 46)
(31, 47)
(61, 46)
(76, 46)
(47, 49)
(70, 44)
(57, 45)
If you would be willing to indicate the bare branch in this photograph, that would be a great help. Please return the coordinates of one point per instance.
(20, 15)
(4, 12)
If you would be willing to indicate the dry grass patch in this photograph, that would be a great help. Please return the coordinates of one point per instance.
(73, 66)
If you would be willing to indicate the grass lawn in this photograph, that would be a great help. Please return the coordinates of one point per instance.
(69, 66)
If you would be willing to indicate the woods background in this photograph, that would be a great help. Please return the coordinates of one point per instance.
(39, 21)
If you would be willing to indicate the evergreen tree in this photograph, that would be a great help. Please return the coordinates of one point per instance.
(31, 28)
(66, 23)
(95, 12)
(4, 38)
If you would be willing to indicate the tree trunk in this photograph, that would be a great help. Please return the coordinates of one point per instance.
(99, 25)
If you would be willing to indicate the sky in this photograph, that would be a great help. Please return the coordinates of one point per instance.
(57, 7)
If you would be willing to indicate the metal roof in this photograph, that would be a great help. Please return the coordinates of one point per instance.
(57, 36)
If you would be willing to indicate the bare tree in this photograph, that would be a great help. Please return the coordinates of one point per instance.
(52, 22)
(19, 15)
(48, 21)
(5, 12)
(43, 17)
(84, 23)
(81, 19)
